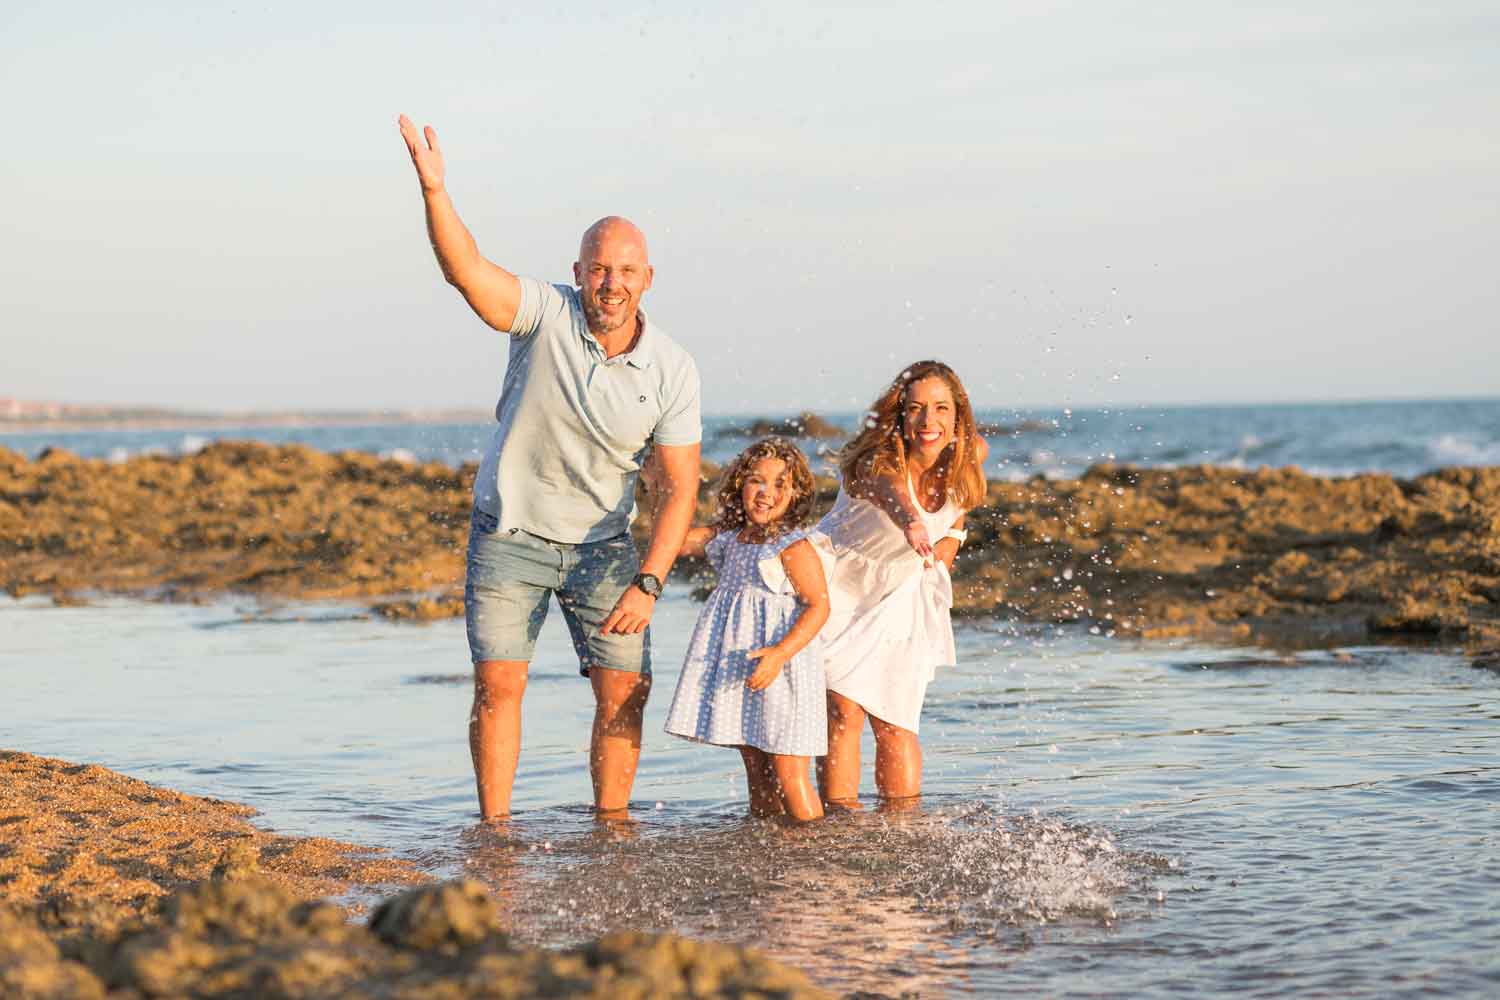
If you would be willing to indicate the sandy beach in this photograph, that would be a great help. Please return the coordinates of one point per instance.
(1206, 551)
(110, 886)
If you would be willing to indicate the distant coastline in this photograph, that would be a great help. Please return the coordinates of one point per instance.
(126, 419)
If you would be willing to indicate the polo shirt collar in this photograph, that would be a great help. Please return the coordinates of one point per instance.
(642, 356)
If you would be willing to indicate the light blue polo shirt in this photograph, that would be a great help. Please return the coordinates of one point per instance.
(575, 426)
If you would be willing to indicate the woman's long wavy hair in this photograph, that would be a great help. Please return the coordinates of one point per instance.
(879, 449)
(731, 514)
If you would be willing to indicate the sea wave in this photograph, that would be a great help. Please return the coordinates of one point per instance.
(1463, 449)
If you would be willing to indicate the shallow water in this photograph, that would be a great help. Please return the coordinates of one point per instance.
(1101, 817)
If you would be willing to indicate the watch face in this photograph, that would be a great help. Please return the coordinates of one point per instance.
(650, 584)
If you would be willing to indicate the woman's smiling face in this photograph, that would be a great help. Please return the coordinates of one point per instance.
(928, 414)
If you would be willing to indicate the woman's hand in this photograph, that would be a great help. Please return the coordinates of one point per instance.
(918, 538)
(771, 661)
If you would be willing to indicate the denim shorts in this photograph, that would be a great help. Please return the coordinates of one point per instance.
(511, 574)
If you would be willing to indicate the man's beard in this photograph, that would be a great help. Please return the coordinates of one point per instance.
(600, 323)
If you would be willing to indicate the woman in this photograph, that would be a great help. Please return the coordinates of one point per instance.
(908, 479)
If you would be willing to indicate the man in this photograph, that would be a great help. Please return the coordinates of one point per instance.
(592, 386)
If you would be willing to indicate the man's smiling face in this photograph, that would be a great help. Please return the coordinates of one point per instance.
(612, 273)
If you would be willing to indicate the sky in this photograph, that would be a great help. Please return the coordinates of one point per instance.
(209, 206)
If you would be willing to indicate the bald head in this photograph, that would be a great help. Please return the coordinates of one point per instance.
(613, 271)
(611, 228)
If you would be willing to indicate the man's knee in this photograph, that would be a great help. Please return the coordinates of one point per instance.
(620, 693)
(499, 682)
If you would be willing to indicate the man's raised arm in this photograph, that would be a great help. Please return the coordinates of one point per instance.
(491, 291)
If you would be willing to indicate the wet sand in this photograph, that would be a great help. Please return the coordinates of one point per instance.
(112, 886)
(1197, 550)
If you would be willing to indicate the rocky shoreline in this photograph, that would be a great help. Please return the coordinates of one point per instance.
(1149, 552)
(110, 886)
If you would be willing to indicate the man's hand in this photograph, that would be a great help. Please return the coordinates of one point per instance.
(425, 154)
(768, 669)
(631, 614)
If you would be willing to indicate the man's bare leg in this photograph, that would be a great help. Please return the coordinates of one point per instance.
(838, 772)
(615, 748)
(495, 732)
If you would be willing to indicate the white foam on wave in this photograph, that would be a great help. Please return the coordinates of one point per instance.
(403, 455)
(191, 444)
(1461, 449)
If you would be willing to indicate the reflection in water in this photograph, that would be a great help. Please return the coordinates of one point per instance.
(883, 900)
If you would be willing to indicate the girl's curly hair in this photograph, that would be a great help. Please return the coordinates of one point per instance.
(731, 514)
(880, 446)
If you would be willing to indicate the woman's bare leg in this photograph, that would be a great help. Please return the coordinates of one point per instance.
(898, 761)
(797, 792)
(765, 798)
(838, 772)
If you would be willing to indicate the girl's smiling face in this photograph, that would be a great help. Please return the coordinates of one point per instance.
(768, 491)
(928, 415)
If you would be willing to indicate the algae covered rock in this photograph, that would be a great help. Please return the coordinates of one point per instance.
(32, 968)
(447, 916)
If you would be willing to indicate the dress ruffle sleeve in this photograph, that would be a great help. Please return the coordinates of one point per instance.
(714, 548)
(773, 574)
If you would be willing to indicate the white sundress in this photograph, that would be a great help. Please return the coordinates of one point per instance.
(753, 606)
(890, 624)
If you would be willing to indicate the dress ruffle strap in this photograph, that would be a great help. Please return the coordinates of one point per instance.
(773, 574)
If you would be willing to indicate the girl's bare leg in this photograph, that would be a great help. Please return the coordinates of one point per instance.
(898, 761)
(765, 798)
(838, 772)
(797, 792)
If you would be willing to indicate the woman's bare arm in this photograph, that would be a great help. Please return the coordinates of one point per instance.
(946, 549)
(892, 496)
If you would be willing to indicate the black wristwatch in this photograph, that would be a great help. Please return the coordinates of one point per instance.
(649, 584)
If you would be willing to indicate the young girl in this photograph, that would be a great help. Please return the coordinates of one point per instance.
(753, 678)
(907, 479)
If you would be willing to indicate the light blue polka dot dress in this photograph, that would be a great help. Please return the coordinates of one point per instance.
(752, 607)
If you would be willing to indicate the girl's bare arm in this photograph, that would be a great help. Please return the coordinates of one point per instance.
(696, 540)
(805, 570)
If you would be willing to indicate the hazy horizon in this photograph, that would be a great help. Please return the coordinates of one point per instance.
(486, 412)
(1075, 207)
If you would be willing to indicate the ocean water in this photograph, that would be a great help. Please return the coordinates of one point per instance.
(1101, 817)
(1405, 439)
